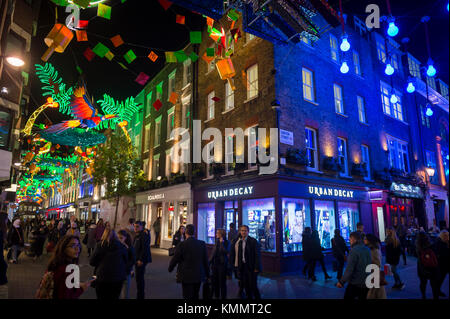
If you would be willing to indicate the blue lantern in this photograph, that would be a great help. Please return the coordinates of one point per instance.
(394, 99)
(389, 69)
(429, 111)
(392, 29)
(344, 67)
(345, 45)
(410, 88)
(431, 71)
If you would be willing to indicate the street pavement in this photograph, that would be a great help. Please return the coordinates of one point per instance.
(24, 279)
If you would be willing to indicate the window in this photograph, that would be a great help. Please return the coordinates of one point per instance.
(155, 172)
(414, 66)
(431, 83)
(252, 82)
(229, 155)
(145, 163)
(342, 155)
(356, 63)
(296, 216)
(159, 91)
(424, 117)
(168, 163)
(348, 218)
(170, 121)
(259, 215)
(171, 86)
(394, 110)
(365, 160)
(136, 141)
(187, 72)
(360, 26)
(149, 104)
(443, 89)
(325, 221)
(395, 62)
(311, 148)
(431, 162)
(185, 113)
(308, 85)
(211, 105)
(147, 137)
(334, 48)
(361, 109)
(253, 146)
(338, 100)
(210, 159)
(15, 44)
(207, 222)
(5, 128)
(381, 50)
(229, 97)
(158, 131)
(398, 154)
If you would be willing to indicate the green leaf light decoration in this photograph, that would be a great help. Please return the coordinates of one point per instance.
(124, 110)
(75, 137)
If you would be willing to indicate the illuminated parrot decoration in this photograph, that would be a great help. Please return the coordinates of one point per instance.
(86, 115)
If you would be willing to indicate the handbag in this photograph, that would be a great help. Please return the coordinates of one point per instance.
(172, 251)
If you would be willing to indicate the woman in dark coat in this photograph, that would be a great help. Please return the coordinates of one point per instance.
(219, 263)
(15, 241)
(393, 253)
(306, 246)
(340, 249)
(110, 260)
(317, 256)
(442, 252)
(125, 239)
(40, 235)
(179, 236)
(430, 270)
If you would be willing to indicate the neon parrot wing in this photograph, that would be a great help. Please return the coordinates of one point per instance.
(61, 127)
(80, 105)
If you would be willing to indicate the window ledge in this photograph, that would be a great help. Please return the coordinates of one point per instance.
(343, 115)
(169, 140)
(229, 110)
(230, 173)
(313, 170)
(186, 86)
(251, 99)
(312, 102)
(207, 121)
(363, 123)
(252, 169)
(345, 176)
(208, 178)
(157, 146)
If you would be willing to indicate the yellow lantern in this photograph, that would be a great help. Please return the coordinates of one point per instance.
(226, 71)
(57, 40)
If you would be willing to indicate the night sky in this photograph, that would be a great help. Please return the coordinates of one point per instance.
(149, 27)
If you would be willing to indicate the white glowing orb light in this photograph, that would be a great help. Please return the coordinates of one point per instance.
(344, 67)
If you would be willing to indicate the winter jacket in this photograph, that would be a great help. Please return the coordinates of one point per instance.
(15, 236)
(442, 254)
(316, 248)
(393, 254)
(177, 238)
(99, 232)
(219, 255)
(3, 265)
(358, 259)
(307, 247)
(110, 262)
(142, 247)
(339, 247)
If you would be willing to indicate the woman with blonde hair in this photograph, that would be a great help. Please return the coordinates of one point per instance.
(393, 253)
(110, 260)
(373, 243)
(219, 263)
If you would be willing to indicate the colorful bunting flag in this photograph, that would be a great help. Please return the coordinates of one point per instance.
(89, 54)
(81, 35)
(194, 57)
(159, 87)
(117, 41)
(82, 24)
(153, 56)
(142, 78)
(123, 66)
(157, 105)
(165, 4)
(104, 11)
(210, 52)
(173, 98)
(82, 3)
(196, 37)
(181, 19)
(233, 15)
(170, 57)
(207, 59)
(109, 55)
(216, 99)
(100, 49)
(130, 56)
(181, 56)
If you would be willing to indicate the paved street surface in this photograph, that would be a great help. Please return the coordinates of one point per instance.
(160, 284)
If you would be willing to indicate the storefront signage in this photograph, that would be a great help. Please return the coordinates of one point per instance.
(286, 137)
(156, 197)
(406, 190)
(230, 192)
(330, 191)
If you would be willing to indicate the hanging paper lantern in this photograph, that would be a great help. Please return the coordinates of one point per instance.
(57, 40)
(344, 68)
(392, 29)
(345, 45)
(429, 111)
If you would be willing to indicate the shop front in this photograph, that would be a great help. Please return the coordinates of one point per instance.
(277, 211)
(170, 206)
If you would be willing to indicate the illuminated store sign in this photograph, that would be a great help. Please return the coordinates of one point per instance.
(156, 197)
(330, 191)
(406, 190)
(237, 191)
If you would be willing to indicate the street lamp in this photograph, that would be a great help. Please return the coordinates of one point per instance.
(430, 171)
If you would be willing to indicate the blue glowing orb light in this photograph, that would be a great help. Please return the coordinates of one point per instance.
(431, 71)
(394, 99)
(410, 88)
(429, 111)
(344, 67)
(392, 29)
(345, 45)
(389, 69)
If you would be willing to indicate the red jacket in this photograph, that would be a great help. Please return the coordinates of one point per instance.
(60, 290)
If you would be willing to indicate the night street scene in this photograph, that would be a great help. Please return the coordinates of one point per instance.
(234, 153)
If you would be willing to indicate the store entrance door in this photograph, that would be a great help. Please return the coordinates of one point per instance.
(231, 215)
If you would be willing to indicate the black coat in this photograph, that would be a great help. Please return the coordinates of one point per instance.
(15, 236)
(131, 259)
(252, 253)
(192, 260)
(442, 254)
(219, 255)
(316, 248)
(142, 247)
(339, 247)
(110, 262)
(177, 238)
(307, 246)
(393, 254)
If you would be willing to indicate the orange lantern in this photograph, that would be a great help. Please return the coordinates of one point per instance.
(57, 40)
(226, 71)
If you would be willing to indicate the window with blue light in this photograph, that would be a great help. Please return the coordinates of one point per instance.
(334, 49)
(342, 155)
(311, 148)
(414, 66)
(394, 110)
(259, 216)
(348, 214)
(398, 154)
(325, 222)
(425, 119)
(296, 217)
(356, 63)
(361, 109)
(338, 99)
(206, 222)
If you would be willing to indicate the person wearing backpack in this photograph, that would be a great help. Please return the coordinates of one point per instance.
(53, 283)
(427, 265)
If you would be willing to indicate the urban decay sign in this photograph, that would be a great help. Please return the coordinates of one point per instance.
(231, 192)
(330, 191)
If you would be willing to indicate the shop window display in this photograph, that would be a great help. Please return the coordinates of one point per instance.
(206, 222)
(325, 222)
(259, 215)
(231, 215)
(296, 216)
(348, 218)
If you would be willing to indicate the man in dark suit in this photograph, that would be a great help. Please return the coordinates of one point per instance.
(143, 256)
(192, 260)
(245, 254)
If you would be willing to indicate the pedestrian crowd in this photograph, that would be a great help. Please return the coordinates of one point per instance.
(118, 256)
